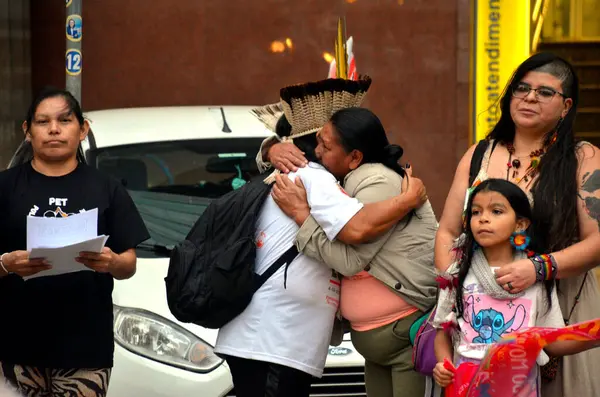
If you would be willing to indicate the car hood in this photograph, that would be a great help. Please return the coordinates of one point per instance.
(146, 290)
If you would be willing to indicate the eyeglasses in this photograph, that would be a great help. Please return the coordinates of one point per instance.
(542, 94)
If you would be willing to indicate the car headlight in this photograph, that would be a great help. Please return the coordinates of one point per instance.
(159, 339)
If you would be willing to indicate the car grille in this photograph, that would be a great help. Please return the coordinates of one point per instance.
(337, 382)
(340, 381)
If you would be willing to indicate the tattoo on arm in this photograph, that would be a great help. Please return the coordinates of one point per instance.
(591, 184)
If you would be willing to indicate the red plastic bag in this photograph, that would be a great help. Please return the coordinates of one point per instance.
(463, 375)
(508, 366)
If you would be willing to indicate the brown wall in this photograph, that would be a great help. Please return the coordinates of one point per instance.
(208, 52)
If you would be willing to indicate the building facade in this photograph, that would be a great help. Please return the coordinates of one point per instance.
(210, 52)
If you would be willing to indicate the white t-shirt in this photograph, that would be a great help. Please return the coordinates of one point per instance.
(292, 326)
(485, 320)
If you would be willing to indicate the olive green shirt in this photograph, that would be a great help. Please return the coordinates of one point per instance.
(402, 258)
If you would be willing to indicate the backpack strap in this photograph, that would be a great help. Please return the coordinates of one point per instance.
(285, 259)
(477, 159)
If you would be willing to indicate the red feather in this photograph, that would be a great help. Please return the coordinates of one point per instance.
(444, 282)
(448, 326)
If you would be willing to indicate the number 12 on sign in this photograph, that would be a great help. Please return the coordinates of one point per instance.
(73, 62)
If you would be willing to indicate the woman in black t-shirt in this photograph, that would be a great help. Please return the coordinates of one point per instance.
(56, 336)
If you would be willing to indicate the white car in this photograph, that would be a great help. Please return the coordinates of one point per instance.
(173, 161)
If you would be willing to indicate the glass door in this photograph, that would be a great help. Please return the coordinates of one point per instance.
(588, 12)
(572, 20)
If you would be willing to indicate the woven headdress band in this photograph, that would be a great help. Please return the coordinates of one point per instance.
(309, 106)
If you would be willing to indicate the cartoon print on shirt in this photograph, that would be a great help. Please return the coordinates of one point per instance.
(53, 213)
(57, 213)
(490, 324)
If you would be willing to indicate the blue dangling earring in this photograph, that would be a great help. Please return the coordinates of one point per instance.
(520, 240)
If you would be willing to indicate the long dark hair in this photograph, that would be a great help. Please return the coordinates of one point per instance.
(555, 190)
(520, 204)
(360, 129)
(24, 152)
(306, 143)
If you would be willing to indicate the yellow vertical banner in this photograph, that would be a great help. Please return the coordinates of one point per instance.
(502, 42)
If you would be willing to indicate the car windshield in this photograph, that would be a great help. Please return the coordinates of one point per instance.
(173, 182)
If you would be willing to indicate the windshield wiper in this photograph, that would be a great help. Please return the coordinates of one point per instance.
(156, 247)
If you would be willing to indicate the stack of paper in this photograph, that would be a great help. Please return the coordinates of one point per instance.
(60, 240)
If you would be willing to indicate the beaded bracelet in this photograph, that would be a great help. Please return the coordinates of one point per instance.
(2, 263)
(545, 267)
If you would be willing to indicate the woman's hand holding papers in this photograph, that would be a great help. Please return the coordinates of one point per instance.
(20, 263)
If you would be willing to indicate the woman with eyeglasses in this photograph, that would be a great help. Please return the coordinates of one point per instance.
(533, 145)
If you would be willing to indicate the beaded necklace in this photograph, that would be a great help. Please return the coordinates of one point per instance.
(534, 163)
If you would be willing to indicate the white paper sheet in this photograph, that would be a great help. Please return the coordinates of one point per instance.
(43, 232)
(63, 258)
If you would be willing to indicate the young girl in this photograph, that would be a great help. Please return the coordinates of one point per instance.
(473, 310)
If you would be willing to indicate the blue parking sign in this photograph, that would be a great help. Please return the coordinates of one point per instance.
(73, 61)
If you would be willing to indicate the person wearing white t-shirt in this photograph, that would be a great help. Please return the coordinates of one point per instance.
(290, 324)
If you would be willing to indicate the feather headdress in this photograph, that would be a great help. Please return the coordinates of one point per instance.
(309, 106)
(269, 114)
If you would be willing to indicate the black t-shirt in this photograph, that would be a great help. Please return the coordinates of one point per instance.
(63, 321)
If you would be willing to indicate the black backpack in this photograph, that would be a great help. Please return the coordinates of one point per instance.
(211, 276)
